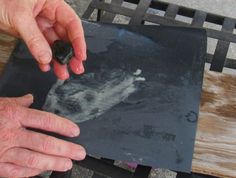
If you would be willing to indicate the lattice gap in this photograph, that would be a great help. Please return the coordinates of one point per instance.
(212, 26)
(125, 166)
(228, 71)
(150, 23)
(93, 16)
(121, 19)
(234, 31)
(183, 19)
(211, 45)
(232, 51)
(108, 1)
(129, 5)
(155, 12)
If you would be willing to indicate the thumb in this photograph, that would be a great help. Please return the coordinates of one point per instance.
(25, 101)
(28, 29)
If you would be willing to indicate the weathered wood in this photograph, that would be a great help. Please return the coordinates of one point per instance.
(215, 147)
(7, 43)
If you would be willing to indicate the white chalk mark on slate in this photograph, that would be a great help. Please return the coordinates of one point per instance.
(137, 72)
(89, 96)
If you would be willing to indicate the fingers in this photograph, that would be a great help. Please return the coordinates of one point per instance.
(35, 160)
(79, 45)
(11, 170)
(47, 121)
(61, 71)
(67, 27)
(50, 145)
(44, 67)
(76, 66)
(25, 101)
(45, 26)
(44, 23)
(37, 44)
(71, 22)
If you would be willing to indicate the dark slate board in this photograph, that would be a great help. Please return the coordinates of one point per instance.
(156, 124)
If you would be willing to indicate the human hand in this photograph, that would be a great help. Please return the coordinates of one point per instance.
(25, 153)
(40, 23)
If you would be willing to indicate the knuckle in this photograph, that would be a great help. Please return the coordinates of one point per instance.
(10, 111)
(9, 136)
(48, 121)
(15, 171)
(47, 144)
(34, 42)
(32, 161)
(17, 19)
(7, 110)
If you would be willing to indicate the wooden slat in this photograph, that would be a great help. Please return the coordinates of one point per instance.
(109, 161)
(199, 18)
(230, 63)
(219, 57)
(222, 47)
(2, 65)
(112, 8)
(90, 9)
(225, 36)
(109, 17)
(140, 12)
(100, 12)
(66, 174)
(7, 44)
(102, 166)
(142, 172)
(184, 11)
(95, 175)
(215, 146)
(172, 11)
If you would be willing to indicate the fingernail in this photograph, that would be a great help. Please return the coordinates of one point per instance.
(68, 165)
(81, 154)
(82, 68)
(84, 57)
(28, 96)
(45, 68)
(64, 75)
(45, 58)
(75, 131)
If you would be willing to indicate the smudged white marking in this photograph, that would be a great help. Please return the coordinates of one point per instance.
(91, 95)
(128, 154)
(137, 72)
(142, 79)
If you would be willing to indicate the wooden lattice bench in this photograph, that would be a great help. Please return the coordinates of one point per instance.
(215, 147)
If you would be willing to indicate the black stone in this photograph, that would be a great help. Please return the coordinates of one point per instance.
(62, 51)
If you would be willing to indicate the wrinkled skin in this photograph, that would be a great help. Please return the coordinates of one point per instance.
(25, 153)
(39, 23)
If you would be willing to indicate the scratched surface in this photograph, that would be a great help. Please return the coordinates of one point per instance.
(139, 98)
